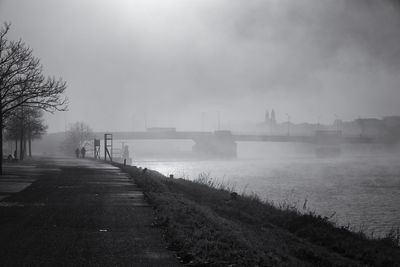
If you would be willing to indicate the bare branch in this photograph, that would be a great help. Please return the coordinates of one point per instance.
(22, 82)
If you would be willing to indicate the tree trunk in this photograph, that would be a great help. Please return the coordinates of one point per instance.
(16, 148)
(21, 145)
(30, 144)
(25, 150)
(1, 141)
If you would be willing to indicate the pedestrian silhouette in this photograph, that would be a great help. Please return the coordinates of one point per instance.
(77, 152)
(83, 152)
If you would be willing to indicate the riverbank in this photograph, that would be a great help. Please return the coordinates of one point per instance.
(207, 224)
(345, 186)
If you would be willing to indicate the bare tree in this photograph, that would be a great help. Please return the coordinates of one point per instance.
(12, 130)
(78, 135)
(35, 127)
(24, 125)
(22, 83)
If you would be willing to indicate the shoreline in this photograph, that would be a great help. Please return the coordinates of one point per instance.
(203, 223)
(343, 187)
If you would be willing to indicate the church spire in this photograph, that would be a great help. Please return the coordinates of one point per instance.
(273, 119)
(267, 119)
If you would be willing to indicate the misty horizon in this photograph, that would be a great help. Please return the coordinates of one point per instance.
(176, 63)
(200, 132)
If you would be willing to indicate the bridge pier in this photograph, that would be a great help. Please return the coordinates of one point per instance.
(328, 143)
(220, 144)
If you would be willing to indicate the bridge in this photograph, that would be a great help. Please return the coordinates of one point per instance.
(224, 143)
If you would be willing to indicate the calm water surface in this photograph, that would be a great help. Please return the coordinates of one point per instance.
(362, 190)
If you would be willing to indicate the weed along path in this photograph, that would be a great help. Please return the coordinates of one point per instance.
(77, 213)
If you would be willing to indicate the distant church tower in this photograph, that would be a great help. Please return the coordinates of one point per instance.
(272, 119)
(267, 119)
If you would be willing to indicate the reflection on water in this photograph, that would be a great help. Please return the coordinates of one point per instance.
(363, 189)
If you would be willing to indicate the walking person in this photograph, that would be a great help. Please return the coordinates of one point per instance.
(83, 152)
(77, 152)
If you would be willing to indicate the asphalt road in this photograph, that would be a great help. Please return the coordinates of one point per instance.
(74, 212)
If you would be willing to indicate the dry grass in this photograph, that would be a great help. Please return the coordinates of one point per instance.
(207, 224)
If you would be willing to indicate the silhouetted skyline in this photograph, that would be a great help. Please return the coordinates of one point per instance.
(169, 62)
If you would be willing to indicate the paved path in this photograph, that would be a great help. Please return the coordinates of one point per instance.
(76, 213)
(17, 177)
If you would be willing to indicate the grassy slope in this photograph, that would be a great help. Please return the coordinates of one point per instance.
(206, 225)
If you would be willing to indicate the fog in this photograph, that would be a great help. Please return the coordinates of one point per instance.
(221, 64)
(170, 63)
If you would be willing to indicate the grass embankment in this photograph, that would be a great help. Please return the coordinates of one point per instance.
(208, 225)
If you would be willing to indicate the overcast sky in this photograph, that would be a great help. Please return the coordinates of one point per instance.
(171, 61)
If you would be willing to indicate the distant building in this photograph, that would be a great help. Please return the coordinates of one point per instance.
(391, 125)
(270, 120)
(385, 129)
(391, 121)
(267, 119)
(369, 127)
(273, 119)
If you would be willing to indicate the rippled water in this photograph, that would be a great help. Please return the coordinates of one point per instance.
(362, 189)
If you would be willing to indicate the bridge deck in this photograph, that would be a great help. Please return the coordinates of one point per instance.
(186, 135)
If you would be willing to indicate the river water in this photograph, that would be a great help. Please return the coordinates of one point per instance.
(361, 188)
